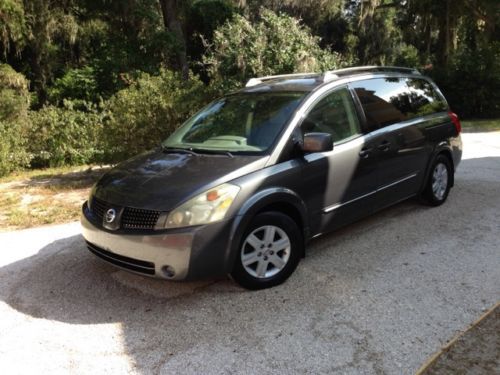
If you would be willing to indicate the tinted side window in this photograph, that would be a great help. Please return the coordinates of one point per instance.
(385, 101)
(424, 98)
(334, 114)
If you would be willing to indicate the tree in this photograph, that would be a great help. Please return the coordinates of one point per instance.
(170, 11)
(12, 24)
(14, 103)
(275, 44)
(45, 22)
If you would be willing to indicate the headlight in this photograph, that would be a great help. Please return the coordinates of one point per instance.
(208, 207)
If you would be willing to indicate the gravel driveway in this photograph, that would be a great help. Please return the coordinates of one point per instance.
(379, 296)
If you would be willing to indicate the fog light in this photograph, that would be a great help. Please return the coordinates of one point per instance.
(168, 271)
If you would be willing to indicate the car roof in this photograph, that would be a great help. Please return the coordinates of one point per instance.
(306, 82)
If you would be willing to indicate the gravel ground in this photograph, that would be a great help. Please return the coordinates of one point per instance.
(379, 296)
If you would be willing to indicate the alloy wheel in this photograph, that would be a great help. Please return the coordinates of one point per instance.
(265, 251)
(439, 181)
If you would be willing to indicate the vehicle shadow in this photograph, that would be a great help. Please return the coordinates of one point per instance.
(213, 326)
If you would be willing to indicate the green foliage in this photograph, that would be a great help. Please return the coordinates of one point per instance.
(378, 41)
(12, 23)
(121, 38)
(106, 66)
(65, 136)
(471, 81)
(51, 31)
(405, 55)
(276, 44)
(14, 94)
(14, 103)
(80, 84)
(144, 114)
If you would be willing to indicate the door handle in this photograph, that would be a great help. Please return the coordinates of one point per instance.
(365, 152)
(384, 146)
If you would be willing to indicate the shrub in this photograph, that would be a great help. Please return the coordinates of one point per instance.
(471, 80)
(276, 44)
(14, 103)
(144, 114)
(76, 84)
(65, 136)
(405, 55)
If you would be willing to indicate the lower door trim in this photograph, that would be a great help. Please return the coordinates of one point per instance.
(335, 206)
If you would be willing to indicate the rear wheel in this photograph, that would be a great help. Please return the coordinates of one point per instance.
(269, 252)
(439, 183)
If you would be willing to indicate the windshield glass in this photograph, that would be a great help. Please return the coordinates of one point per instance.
(241, 122)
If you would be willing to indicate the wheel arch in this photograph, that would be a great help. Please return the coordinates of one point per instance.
(442, 149)
(277, 199)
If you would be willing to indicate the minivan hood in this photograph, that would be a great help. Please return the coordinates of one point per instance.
(160, 181)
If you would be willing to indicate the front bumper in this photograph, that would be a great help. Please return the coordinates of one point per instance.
(187, 253)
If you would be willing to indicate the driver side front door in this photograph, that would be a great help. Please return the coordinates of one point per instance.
(341, 183)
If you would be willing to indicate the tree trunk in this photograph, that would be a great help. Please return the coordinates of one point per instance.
(448, 33)
(428, 38)
(40, 78)
(173, 24)
(443, 44)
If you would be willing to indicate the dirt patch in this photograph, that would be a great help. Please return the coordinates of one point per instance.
(45, 197)
(477, 351)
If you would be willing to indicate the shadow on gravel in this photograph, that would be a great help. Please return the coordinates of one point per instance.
(314, 322)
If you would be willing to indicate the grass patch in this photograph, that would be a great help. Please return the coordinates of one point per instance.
(481, 125)
(49, 196)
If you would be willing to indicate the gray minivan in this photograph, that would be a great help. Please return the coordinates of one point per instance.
(242, 186)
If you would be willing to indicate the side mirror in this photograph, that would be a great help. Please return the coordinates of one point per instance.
(317, 142)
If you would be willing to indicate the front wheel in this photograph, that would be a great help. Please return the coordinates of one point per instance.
(269, 252)
(439, 183)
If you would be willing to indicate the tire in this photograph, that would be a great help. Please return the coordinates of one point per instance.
(439, 182)
(260, 266)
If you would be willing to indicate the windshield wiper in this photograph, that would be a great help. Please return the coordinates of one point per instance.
(198, 152)
(179, 150)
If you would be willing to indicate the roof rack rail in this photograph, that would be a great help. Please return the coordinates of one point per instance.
(332, 74)
(258, 80)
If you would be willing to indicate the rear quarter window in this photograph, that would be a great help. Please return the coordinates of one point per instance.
(390, 100)
(424, 98)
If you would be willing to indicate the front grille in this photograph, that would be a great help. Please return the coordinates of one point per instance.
(98, 208)
(131, 218)
(122, 261)
(134, 218)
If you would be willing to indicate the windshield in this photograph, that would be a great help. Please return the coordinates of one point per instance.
(240, 122)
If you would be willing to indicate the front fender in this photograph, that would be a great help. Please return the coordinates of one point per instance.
(267, 198)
